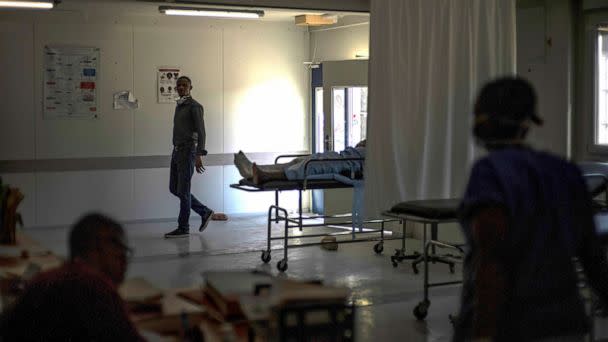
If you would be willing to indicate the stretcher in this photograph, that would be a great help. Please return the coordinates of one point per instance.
(278, 214)
(430, 213)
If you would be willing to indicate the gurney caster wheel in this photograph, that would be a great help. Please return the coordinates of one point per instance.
(394, 261)
(452, 268)
(282, 265)
(415, 269)
(266, 256)
(421, 310)
(378, 248)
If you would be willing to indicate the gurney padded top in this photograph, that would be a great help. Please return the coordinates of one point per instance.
(295, 185)
(595, 184)
(429, 209)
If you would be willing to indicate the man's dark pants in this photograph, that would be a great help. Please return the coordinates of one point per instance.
(182, 169)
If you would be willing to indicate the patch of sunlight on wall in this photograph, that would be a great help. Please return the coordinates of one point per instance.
(271, 117)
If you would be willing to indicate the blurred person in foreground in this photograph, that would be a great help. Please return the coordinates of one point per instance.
(79, 300)
(526, 215)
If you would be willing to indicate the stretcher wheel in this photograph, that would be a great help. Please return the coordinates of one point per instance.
(398, 252)
(266, 256)
(378, 248)
(421, 310)
(282, 265)
(394, 261)
(415, 268)
(452, 268)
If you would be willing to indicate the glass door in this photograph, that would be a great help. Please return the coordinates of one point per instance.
(356, 124)
(349, 116)
(319, 137)
(319, 118)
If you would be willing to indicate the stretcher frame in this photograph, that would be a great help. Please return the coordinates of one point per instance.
(429, 253)
(594, 307)
(281, 214)
(400, 254)
(421, 310)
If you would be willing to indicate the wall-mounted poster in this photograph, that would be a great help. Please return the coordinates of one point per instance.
(70, 82)
(167, 78)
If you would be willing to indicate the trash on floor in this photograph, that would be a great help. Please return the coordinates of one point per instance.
(329, 243)
(219, 217)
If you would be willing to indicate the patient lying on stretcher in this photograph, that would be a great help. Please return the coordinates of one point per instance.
(294, 169)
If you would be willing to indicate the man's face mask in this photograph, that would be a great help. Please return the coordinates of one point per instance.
(182, 99)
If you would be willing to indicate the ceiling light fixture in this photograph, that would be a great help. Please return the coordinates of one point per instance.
(210, 12)
(27, 4)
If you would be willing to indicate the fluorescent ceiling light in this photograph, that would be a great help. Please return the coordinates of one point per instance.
(210, 12)
(26, 4)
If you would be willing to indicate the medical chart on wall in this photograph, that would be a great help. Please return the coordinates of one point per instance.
(70, 82)
(167, 79)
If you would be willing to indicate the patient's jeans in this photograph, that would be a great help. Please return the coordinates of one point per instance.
(182, 168)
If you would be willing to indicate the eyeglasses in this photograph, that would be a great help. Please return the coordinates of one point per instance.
(128, 251)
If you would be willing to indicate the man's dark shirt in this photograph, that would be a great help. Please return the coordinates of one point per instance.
(71, 303)
(189, 126)
(550, 221)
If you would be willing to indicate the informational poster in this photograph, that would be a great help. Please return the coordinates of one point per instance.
(167, 78)
(70, 82)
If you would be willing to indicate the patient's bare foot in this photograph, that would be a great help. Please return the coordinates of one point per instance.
(259, 176)
(243, 164)
(255, 174)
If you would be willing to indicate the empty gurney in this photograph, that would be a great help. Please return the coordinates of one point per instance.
(435, 212)
(431, 213)
(596, 177)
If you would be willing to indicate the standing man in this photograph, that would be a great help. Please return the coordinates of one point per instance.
(188, 152)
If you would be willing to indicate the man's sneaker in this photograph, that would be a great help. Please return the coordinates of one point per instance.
(177, 233)
(205, 220)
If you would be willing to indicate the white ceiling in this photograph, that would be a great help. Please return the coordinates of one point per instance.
(137, 7)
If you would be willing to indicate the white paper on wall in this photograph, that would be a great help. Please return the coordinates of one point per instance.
(70, 82)
(167, 79)
(125, 100)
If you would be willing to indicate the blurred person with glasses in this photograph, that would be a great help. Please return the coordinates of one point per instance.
(78, 301)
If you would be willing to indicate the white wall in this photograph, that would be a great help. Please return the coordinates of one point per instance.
(545, 52)
(339, 43)
(17, 119)
(248, 75)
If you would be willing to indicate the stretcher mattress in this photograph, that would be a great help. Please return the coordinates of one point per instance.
(436, 209)
(313, 184)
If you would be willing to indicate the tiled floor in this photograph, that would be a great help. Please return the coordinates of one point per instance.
(385, 295)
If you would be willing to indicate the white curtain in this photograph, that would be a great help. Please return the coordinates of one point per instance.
(427, 60)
